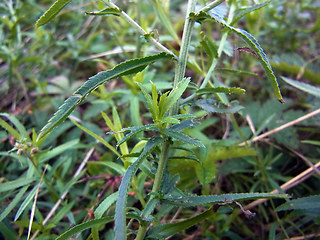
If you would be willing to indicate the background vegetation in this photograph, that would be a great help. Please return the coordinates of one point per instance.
(41, 67)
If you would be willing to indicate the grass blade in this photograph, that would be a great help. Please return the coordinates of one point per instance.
(13, 203)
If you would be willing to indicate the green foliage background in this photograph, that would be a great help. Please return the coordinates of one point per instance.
(41, 67)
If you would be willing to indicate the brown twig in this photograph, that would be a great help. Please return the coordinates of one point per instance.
(289, 124)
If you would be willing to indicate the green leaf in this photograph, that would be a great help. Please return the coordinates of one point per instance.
(8, 231)
(163, 15)
(316, 143)
(26, 202)
(169, 120)
(154, 99)
(52, 12)
(150, 103)
(181, 137)
(303, 86)
(251, 41)
(125, 68)
(10, 129)
(83, 226)
(229, 152)
(114, 166)
(105, 204)
(149, 207)
(17, 124)
(236, 71)
(165, 230)
(295, 65)
(13, 203)
(190, 201)
(100, 139)
(229, 90)
(189, 123)
(243, 11)
(311, 202)
(120, 214)
(45, 156)
(135, 130)
(208, 46)
(208, 106)
(7, 186)
(206, 171)
(174, 96)
(62, 213)
(106, 11)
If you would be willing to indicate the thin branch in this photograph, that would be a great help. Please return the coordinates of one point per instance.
(211, 5)
(140, 29)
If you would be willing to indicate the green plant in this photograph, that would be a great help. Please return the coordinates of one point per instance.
(156, 151)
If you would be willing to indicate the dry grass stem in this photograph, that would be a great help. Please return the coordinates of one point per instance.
(289, 124)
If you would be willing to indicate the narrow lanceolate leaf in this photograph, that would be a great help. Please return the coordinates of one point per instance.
(306, 203)
(181, 137)
(251, 41)
(106, 11)
(120, 214)
(229, 90)
(105, 204)
(243, 11)
(303, 86)
(52, 12)
(190, 201)
(125, 68)
(150, 103)
(135, 130)
(165, 230)
(209, 106)
(173, 97)
(100, 139)
(83, 226)
(189, 123)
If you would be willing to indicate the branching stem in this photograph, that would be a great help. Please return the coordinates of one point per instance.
(140, 29)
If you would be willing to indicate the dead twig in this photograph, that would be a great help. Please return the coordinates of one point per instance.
(289, 124)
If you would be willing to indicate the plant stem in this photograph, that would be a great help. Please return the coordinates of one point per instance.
(139, 21)
(140, 29)
(163, 160)
(179, 74)
(211, 5)
(161, 167)
(220, 49)
(183, 56)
